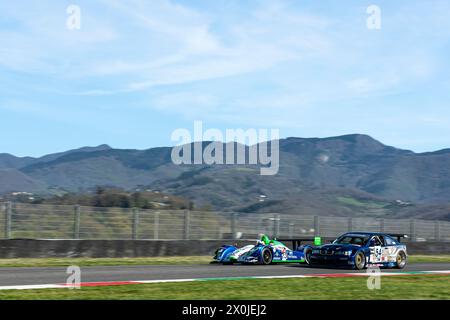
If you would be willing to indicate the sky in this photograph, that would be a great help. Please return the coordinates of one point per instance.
(135, 71)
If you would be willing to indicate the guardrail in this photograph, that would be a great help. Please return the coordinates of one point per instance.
(38, 221)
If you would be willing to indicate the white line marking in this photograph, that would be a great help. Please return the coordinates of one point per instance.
(337, 275)
(33, 286)
(280, 277)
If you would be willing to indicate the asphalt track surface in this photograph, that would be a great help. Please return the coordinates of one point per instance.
(37, 276)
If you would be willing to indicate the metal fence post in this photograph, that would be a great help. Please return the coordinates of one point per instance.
(350, 224)
(412, 229)
(276, 225)
(437, 231)
(316, 226)
(186, 225)
(8, 220)
(156, 226)
(381, 225)
(134, 230)
(233, 225)
(76, 222)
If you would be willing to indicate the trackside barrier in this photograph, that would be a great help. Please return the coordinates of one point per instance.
(44, 221)
(36, 248)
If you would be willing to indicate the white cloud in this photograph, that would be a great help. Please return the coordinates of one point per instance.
(198, 54)
(140, 46)
(40, 43)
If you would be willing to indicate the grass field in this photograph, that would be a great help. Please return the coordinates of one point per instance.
(424, 258)
(84, 262)
(394, 287)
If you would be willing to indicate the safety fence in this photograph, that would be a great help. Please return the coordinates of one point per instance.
(39, 221)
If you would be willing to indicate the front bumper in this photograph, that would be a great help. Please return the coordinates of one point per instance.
(249, 260)
(336, 260)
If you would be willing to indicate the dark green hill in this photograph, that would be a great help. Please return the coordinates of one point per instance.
(342, 175)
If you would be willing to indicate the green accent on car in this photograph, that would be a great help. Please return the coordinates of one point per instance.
(277, 243)
(287, 261)
(265, 239)
(317, 241)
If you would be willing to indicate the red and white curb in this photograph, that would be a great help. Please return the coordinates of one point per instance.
(325, 275)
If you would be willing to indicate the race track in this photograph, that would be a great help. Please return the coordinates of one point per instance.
(111, 274)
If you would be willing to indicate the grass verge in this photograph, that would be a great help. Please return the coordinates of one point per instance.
(430, 259)
(395, 287)
(85, 262)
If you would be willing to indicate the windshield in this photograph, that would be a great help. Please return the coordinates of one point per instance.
(352, 239)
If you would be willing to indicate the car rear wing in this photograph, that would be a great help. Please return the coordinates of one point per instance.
(399, 236)
(297, 242)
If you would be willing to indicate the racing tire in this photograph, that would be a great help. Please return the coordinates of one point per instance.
(215, 253)
(360, 261)
(400, 260)
(307, 253)
(266, 256)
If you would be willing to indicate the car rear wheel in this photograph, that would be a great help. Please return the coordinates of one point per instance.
(360, 261)
(400, 260)
(266, 256)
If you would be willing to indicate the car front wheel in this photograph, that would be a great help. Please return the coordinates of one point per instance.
(307, 254)
(360, 261)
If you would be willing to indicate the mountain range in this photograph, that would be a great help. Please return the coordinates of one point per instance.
(345, 175)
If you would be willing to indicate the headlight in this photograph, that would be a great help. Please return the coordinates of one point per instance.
(345, 253)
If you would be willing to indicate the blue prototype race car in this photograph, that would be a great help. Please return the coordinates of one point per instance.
(265, 251)
(359, 250)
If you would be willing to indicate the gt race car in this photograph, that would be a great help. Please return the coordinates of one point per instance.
(360, 250)
(265, 251)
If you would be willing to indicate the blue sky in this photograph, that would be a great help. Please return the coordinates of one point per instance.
(137, 70)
